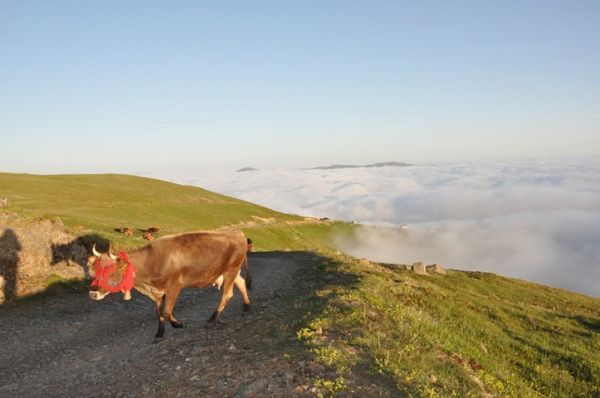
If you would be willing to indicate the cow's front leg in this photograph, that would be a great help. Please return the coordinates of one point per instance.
(170, 301)
(161, 319)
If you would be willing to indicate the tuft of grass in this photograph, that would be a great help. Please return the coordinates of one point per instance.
(329, 388)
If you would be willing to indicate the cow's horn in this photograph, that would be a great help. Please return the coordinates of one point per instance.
(112, 256)
(95, 252)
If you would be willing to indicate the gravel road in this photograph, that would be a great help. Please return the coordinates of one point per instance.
(71, 346)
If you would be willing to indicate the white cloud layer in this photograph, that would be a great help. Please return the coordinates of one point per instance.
(537, 220)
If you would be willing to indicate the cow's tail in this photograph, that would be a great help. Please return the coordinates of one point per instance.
(248, 274)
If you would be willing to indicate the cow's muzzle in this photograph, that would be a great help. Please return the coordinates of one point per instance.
(97, 295)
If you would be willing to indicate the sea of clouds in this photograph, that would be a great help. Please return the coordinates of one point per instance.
(538, 220)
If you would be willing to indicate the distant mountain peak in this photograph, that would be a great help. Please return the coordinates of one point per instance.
(246, 169)
(354, 166)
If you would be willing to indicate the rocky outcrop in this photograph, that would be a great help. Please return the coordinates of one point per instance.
(365, 261)
(37, 253)
(419, 268)
(435, 268)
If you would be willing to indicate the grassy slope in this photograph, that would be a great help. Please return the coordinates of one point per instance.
(464, 334)
(102, 203)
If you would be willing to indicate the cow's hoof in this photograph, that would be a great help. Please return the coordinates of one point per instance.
(246, 307)
(215, 317)
(157, 339)
(177, 324)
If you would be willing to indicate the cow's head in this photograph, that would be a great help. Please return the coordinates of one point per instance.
(112, 274)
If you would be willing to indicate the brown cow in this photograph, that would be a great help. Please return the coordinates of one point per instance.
(168, 264)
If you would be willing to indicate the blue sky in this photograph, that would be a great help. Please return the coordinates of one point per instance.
(115, 86)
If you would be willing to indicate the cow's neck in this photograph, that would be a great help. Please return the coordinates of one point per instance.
(138, 258)
(141, 282)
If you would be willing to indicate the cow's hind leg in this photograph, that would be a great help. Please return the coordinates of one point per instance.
(240, 283)
(161, 320)
(170, 301)
(225, 297)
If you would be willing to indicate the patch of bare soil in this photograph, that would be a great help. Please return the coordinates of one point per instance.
(73, 346)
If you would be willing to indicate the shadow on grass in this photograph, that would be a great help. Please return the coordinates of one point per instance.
(57, 287)
(589, 323)
(559, 358)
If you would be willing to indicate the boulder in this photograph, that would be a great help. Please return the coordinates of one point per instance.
(435, 268)
(364, 261)
(419, 268)
(35, 254)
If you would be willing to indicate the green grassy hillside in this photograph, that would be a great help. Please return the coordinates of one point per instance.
(462, 334)
(457, 335)
(103, 203)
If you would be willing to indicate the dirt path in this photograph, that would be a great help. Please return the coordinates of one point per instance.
(73, 346)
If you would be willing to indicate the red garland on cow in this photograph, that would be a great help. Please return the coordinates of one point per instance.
(101, 277)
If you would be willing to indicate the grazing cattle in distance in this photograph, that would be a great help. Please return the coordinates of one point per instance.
(162, 268)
